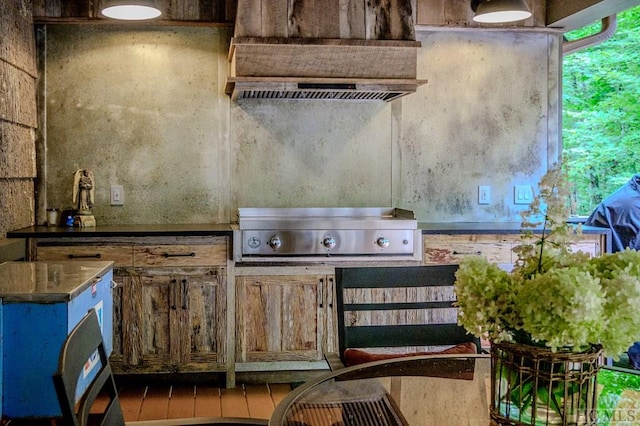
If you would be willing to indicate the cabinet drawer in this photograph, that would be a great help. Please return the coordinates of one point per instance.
(180, 255)
(120, 255)
(450, 249)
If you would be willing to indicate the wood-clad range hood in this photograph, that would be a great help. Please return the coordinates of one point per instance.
(323, 49)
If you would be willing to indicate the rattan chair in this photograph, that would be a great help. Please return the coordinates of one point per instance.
(84, 346)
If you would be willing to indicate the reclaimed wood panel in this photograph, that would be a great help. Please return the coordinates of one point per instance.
(314, 18)
(279, 318)
(120, 255)
(450, 249)
(389, 20)
(248, 18)
(325, 58)
(17, 151)
(180, 255)
(132, 320)
(352, 19)
(274, 17)
(17, 44)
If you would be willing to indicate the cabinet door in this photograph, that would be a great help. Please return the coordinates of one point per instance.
(159, 297)
(182, 319)
(280, 318)
(202, 315)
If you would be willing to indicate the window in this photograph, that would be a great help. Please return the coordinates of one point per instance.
(601, 112)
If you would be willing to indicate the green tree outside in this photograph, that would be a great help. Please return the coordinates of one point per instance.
(601, 112)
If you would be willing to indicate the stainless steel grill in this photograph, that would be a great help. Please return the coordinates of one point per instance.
(294, 234)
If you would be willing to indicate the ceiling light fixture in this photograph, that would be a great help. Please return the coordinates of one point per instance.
(499, 11)
(130, 10)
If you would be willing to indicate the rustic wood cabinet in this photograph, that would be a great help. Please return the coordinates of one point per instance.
(169, 299)
(180, 313)
(284, 317)
(449, 248)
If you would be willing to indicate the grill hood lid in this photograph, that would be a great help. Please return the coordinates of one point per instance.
(306, 68)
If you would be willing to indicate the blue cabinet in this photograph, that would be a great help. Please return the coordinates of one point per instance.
(41, 303)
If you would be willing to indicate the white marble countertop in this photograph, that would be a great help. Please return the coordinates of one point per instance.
(48, 282)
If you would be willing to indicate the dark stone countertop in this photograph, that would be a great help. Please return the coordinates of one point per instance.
(156, 230)
(487, 228)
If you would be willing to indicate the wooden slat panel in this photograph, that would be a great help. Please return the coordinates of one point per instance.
(120, 255)
(234, 403)
(259, 401)
(182, 402)
(208, 401)
(180, 255)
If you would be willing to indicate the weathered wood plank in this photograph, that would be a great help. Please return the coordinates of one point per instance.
(314, 18)
(132, 320)
(120, 255)
(180, 255)
(389, 20)
(372, 60)
(185, 10)
(274, 18)
(430, 12)
(248, 18)
(352, 19)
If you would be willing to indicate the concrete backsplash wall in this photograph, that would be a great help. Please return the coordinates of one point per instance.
(145, 108)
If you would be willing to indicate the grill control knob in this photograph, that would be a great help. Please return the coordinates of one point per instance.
(382, 242)
(329, 242)
(275, 242)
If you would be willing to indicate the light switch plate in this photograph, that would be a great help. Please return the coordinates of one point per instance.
(117, 195)
(484, 194)
(522, 194)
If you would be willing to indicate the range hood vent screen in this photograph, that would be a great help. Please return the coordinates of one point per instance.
(319, 94)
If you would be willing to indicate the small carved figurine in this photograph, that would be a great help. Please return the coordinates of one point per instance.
(84, 196)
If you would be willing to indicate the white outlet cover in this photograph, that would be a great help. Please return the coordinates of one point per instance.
(117, 195)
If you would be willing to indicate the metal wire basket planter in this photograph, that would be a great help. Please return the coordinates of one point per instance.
(532, 385)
